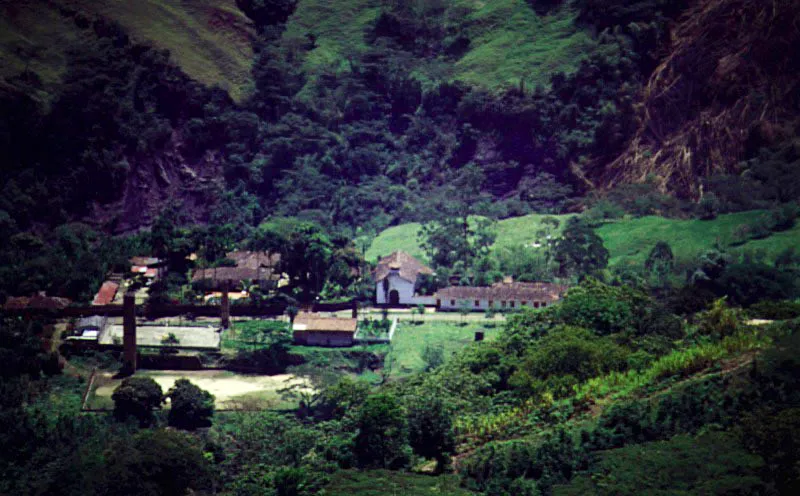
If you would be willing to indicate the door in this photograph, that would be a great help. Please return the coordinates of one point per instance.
(394, 297)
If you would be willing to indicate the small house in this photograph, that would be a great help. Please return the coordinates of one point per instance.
(500, 296)
(149, 267)
(312, 330)
(90, 328)
(258, 267)
(106, 294)
(396, 279)
(39, 301)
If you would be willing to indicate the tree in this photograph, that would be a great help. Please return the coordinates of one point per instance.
(580, 250)
(430, 429)
(267, 12)
(137, 397)
(154, 463)
(421, 311)
(191, 407)
(382, 433)
(433, 356)
(464, 309)
(660, 262)
(456, 236)
(305, 248)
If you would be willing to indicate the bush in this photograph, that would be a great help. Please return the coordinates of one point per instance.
(137, 397)
(382, 437)
(775, 310)
(565, 357)
(190, 406)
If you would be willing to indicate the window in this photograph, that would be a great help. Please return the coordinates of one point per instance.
(452, 303)
(477, 303)
(523, 303)
(512, 304)
(535, 304)
(503, 304)
(544, 304)
(438, 303)
(491, 303)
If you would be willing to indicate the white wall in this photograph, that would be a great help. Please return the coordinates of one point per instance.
(403, 287)
(483, 305)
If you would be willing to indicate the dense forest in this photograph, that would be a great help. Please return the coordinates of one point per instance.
(657, 373)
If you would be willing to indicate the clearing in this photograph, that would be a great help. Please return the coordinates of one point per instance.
(231, 391)
(627, 240)
(410, 340)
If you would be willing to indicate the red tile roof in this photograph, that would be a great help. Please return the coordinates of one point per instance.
(533, 291)
(407, 266)
(106, 294)
(306, 322)
(38, 301)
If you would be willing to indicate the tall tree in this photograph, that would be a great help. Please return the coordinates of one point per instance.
(580, 250)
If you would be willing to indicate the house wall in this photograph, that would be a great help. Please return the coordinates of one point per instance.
(323, 338)
(403, 287)
(483, 305)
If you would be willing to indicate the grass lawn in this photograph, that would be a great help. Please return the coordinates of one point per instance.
(510, 232)
(387, 483)
(630, 241)
(410, 339)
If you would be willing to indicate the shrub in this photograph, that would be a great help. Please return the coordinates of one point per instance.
(190, 406)
(137, 397)
(382, 436)
(775, 310)
(565, 357)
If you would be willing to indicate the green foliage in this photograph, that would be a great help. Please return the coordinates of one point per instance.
(660, 261)
(430, 429)
(381, 482)
(580, 251)
(565, 357)
(382, 437)
(137, 397)
(433, 356)
(155, 462)
(601, 308)
(190, 406)
(712, 463)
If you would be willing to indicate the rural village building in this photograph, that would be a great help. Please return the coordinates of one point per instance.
(257, 267)
(500, 296)
(311, 330)
(39, 301)
(106, 294)
(149, 267)
(396, 277)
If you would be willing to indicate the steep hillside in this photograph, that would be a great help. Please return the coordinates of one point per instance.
(489, 44)
(729, 85)
(210, 40)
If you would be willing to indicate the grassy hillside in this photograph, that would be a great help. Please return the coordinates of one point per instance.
(510, 232)
(34, 37)
(509, 41)
(628, 241)
(209, 39)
